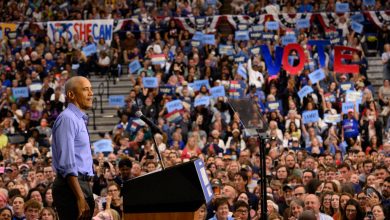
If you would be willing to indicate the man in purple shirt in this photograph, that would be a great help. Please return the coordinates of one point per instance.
(72, 157)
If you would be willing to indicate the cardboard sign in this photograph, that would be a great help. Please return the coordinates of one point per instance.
(317, 76)
(103, 145)
(310, 116)
(226, 50)
(174, 105)
(20, 92)
(199, 83)
(198, 36)
(342, 7)
(241, 36)
(305, 91)
(272, 25)
(329, 118)
(116, 100)
(35, 87)
(208, 39)
(288, 39)
(255, 35)
(349, 105)
(242, 71)
(150, 82)
(204, 100)
(358, 28)
(134, 66)
(168, 90)
(217, 91)
(354, 96)
(273, 106)
(89, 50)
(346, 86)
(196, 43)
(303, 23)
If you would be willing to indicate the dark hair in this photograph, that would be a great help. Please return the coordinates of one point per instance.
(6, 208)
(125, 162)
(33, 190)
(219, 202)
(310, 171)
(241, 203)
(359, 211)
(32, 204)
(312, 185)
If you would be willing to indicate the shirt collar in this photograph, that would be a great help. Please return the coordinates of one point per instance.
(76, 110)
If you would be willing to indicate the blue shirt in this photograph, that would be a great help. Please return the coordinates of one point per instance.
(71, 150)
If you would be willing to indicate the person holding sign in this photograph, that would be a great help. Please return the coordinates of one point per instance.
(71, 152)
(350, 125)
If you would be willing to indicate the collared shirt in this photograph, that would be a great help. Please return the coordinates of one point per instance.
(71, 149)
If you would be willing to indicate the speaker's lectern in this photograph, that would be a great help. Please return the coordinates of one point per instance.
(174, 193)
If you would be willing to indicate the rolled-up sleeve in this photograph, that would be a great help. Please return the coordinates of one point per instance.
(64, 134)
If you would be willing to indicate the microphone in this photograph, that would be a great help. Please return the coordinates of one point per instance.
(152, 125)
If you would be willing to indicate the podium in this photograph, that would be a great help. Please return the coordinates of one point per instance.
(174, 193)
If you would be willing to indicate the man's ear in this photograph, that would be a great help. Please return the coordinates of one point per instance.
(70, 95)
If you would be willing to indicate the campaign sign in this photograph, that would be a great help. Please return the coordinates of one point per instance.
(342, 7)
(204, 100)
(134, 66)
(257, 27)
(329, 97)
(346, 86)
(358, 28)
(150, 82)
(84, 29)
(354, 96)
(317, 76)
(369, 2)
(199, 83)
(226, 50)
(241, 36)
(240, 58)
(305, 91)
(35, 87)
(217, 91)
(272, 25)
(89, 50)
(329, 118)
(255, 35)
(268, 36)
(208, 39)
(195, 43)
(349, 105)
(174, 105)
(310, 116)
(20, 92)
(103, 145)
(1, 34)
(255, 50)
(303, 23)
(169, 90)
(198, 36)
(242, 27)
(242, 71)
(289, 39)
(358, 18)
(272, 106)
(116, 100)
(75, 66)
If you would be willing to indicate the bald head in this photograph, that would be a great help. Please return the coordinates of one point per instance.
(312, 203)
(78, 91)
(71, 83)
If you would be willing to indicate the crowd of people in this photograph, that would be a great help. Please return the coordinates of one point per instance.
(328, 169)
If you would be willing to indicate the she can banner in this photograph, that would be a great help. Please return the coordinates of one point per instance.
(81, 28)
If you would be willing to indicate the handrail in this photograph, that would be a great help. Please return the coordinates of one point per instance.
(94, 107)
(100, 93)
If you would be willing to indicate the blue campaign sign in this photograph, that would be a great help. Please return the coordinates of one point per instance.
(310, 116)
(116, 100)
(241, 36)
(208, 39)
(226, 49)
(305, 91)
(346, 86)
(258, 27)
(174, 105)
(358, 28)
(204, 100)
(289, 39)
(358, 18)
(240, 58)
(1, 34)
(217, 91)
(89, 50)
(369, 2)
(268, 36)
(196, 43)
(354, 96)
(198, 36)
(104, 145)
(349, 105)
(204, 180)
(134, 66)
(20, 92)
(303, 23)
(342, 7)
(317, 76)
(199, 83)
(272, 25)
(255, 35)
(272, 106)
(150, 82)
(242, 27)
(242, 71)
(211, 2)
(255, 50)
(169, 90)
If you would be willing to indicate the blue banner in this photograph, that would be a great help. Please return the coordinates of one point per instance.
(241, 36)
(358, 28)
(272, 66)
(20, 92)
(342, 7)
(310, 116)
(217, 91)
(272, 25)
(204, 100)
(317, 76)
(150, 82)
(174, 105)
(303, 23)
(89, 50)
(208, 39)
(134, 66)
(305, 91)
(116, 100)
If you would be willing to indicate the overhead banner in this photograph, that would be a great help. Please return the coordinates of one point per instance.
(82, 28)
(7, 28)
